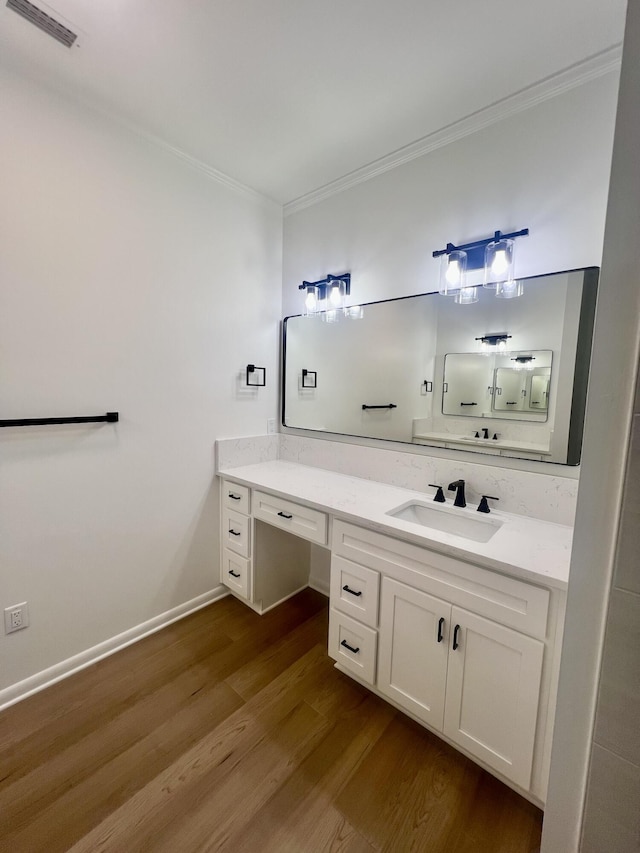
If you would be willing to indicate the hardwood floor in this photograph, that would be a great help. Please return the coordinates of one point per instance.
(232, 731)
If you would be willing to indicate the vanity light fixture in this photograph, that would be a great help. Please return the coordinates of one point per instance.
(326, 297)
(495, 255)
(496, 342)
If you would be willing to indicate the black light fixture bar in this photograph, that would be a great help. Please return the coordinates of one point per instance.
(524, 359)
(323, 283)
(475, 249)
(494, 338)
(110, 418)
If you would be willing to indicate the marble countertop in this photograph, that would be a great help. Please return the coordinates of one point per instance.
(528, 548)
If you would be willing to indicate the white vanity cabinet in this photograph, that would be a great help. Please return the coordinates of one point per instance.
(467, 645)
(462, 649)
(261, 561)
(468, 677)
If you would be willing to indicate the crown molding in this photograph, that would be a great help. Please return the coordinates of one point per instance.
(550, 87)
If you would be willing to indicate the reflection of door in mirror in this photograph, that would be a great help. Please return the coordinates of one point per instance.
(467, 383)
(539, 396)
(510, 390)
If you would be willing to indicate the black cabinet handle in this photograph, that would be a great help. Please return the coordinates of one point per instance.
(233, 574)
(284, 515)
(351, 649)
(440, 627)
(234, 497)
(352, 591)
(455, 638)
(235, 532)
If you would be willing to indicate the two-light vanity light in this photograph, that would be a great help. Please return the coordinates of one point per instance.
(495, 255)
(326, 298)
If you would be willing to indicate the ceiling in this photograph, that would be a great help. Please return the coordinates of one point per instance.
(286, 96)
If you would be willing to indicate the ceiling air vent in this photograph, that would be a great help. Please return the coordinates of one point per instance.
(43, 21)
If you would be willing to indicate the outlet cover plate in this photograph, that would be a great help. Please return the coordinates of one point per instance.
(16, 617)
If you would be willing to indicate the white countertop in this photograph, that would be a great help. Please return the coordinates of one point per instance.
(528, 548)
(486, 444)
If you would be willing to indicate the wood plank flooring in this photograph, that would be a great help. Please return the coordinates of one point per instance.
(229, 731)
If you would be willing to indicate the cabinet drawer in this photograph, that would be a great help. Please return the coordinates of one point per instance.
(353, 645)
(355, 590)
(236, 573)
(236, 497)
(512, 602)
(301, 520)
(235, 532)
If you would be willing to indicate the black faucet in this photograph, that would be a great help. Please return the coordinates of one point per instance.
(486, 432)
(458, 485)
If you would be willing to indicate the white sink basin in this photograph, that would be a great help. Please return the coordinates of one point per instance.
(459, 522)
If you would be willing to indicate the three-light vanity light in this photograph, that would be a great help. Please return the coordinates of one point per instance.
(495, 254)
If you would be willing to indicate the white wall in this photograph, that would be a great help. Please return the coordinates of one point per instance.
(604, 568)
(546, 169)
(129, 281)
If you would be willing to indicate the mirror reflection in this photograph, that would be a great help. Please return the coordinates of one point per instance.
(477, 385)
(425, 370)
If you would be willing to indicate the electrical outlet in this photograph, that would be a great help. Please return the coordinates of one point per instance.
(16, 617)
(271, 426)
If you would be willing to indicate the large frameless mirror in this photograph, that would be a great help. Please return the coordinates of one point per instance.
(498, 376)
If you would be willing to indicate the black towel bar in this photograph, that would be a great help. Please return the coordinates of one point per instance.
(110, 418)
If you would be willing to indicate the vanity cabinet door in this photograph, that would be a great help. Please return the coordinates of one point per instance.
(493, 690)
(413, 650)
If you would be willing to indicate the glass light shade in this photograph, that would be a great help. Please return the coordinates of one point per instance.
(453, 272)
(354, 312)
(336, 295)
(332, 315)
(466, 295)
(498, 262)
(509, 289)
(310, 302)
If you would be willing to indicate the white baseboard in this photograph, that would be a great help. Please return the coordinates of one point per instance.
(41, 680)
(320, 585)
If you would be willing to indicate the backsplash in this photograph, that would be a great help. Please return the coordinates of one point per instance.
(550, 498)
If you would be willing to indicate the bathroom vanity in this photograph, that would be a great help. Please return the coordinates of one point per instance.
(451, 615)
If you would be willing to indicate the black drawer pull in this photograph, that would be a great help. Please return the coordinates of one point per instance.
(455, 637)
(234, 497)
(233, 574)
(235, 533)
(351, 649)
(352, 591)
(284, 515)
(440, 627)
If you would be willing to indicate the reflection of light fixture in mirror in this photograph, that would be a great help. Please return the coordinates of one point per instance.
(494, 342)
(498, 262)
(524, 362)
(453, 271)
(509, 289)
(354, 312)
(494, 255)
(326, 294)
(466, 296)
